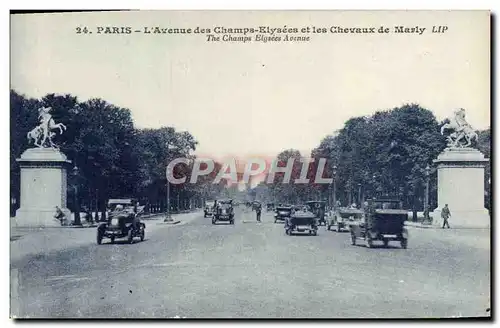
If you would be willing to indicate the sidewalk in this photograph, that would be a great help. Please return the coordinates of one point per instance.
(420, 225)
(434, 226)
(32, 241)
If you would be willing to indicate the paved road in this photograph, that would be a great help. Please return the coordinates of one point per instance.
(250, 270)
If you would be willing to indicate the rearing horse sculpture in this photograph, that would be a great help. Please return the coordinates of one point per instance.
(43, 132)
(461, 131)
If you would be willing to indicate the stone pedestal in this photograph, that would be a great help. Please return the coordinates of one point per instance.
(43, 187)
(461, 185)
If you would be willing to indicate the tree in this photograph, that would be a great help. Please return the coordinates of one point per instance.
(385, 153)
(288, 192)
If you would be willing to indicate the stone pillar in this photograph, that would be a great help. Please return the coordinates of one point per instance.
(461, 185)
(43, 187)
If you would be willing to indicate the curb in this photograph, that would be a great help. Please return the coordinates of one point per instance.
(421, 226)
(440, 228)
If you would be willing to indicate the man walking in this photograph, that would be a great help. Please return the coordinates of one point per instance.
(445, 214)
(258, 210)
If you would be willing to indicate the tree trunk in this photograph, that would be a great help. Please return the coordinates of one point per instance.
(103, 209)
(414, 210)
(96, 214)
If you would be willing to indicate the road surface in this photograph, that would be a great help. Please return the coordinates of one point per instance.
(252, 270)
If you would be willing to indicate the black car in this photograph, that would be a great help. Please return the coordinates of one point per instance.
(383, 221)
(209, 209)
(123, 221)
(301, 221)
(224, 211)
(319, 209)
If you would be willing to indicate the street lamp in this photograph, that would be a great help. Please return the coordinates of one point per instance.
(170, 147)
(359, 194)
(334, 172)
(76, 174)
(426, 198)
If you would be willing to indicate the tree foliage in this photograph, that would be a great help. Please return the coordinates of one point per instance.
(114, 158)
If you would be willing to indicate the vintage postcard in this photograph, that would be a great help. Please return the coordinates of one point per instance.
(250, 164)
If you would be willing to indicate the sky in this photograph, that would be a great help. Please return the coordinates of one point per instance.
(257, 99)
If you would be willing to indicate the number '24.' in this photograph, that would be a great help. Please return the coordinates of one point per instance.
(80, 30)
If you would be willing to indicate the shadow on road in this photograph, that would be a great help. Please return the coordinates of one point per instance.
(122, 242)
(379, 246)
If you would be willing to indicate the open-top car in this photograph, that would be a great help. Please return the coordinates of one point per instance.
(342, 218)
(319, 209)
(209, 208)
(123, 221)
(301, 221)
(223, 211)
(383, 220)
(282, 212)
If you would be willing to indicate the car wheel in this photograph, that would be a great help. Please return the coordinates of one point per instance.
(386, 242)
(404, 243)
(338, 228)
(314, 232)
(328, 227)
(143, 234)
(99, 237)
(113, 240)
(213, 221)
(231, 222)
(130, 236)
(353, 239)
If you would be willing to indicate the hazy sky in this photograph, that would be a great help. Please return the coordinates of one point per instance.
(257, 98)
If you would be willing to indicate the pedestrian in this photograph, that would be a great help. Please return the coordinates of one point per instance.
(258, 210)
(445, 214)
(60, 215)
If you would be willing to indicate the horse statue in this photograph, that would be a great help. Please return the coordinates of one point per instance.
(42, 134)
(463, 134)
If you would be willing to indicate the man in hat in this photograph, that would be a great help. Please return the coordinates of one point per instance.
(445, 214)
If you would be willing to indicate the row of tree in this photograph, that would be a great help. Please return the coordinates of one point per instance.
(384, 153)
(114, 159)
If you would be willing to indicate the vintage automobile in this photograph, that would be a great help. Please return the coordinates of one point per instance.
(319, 209)
(342, 218)
(209, 208)
(282, 212)
(223, 211)
(301, 221)
(270, 207)
(383, 220)
(123, 221)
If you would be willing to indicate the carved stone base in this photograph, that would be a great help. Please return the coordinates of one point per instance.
(43, 187)
(41, 218)
(461, 186)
